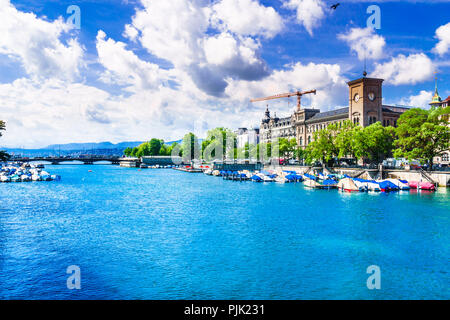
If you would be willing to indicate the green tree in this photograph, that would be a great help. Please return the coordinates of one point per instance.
(3, 155)
(323, 147)
(423, 134)
(345, 139)
(127, 151)
(219, 137)
(153, 147)
(190, 147)
(374, 142)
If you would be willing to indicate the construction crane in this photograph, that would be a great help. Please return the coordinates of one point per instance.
(287, 95)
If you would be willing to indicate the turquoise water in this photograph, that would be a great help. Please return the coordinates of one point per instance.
(164, 234)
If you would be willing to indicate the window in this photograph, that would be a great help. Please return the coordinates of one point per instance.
(309, 139)
(301, 141)
(445, 157)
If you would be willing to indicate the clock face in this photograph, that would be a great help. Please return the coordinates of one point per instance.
(356, 98)
(371, 96)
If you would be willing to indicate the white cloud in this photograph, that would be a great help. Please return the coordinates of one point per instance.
(171, 29)
(420, 100)
(246, 17)
(123, 67)
(37, 45)
(327, 79)
(443, 34)
(309, 12)
(178, 32)
(405, 69)
(365, 42)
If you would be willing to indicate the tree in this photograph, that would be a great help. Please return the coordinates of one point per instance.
(323, 147)
(190, 147)
(219, 138)
(374, 142)
(3, 155)
(153, 147)
(287, 147)
(423, 134)
(128, 151)
(345, 139)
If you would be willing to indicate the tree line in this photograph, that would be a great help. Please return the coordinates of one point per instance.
(420, 135)
(3, 155)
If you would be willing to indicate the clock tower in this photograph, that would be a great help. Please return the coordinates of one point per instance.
(365, 101)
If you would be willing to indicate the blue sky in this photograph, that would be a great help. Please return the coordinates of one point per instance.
(142, 69)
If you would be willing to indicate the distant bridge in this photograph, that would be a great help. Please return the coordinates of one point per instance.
(58, 160)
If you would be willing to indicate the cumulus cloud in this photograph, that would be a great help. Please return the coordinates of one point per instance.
(178, 32)
(309, 12)
(327, 79)
(123, 67)
(37, 44)
(443, 34)
(420, 100)
(246, 17)
(405, 69)
(364, 42)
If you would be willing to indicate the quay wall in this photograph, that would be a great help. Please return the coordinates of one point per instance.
(441, 177)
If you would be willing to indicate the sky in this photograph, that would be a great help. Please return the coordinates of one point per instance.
(138, 69)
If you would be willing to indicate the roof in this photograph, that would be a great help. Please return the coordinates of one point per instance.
(447, 100)
(329, 114)
(395, 109)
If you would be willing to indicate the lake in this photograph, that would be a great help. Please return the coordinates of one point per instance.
(164, 234)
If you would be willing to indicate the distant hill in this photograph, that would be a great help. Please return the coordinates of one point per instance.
(94, 145)
(73, 149)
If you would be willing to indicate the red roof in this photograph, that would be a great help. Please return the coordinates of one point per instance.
(447, 100)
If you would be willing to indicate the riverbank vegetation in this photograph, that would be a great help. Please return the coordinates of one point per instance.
(3, 155)
(421, 135)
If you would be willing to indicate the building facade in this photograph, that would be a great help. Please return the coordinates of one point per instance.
(244, 135)
(437, 102)
(365, 108)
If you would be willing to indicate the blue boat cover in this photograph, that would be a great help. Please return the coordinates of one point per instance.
(310, 176)
(328, 182)
(256, 178)
(387, 185)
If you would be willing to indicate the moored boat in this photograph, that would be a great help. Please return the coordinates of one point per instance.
(347, 184)
(427, 186)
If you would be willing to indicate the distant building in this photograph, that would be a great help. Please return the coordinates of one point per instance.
(365, 108)
(437, 102)
(244, 135)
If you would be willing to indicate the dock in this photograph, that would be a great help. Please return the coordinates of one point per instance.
(190, 170)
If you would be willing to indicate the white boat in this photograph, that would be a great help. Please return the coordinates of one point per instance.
(25, 178)
(399, 184)
(36, 177)
(265, 178)
(5, 179)
(281, 179)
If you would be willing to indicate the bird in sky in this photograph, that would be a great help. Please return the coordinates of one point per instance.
(334, 6)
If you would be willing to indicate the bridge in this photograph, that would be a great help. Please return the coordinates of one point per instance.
(59, 160)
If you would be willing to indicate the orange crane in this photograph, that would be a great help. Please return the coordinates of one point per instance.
(287, 95)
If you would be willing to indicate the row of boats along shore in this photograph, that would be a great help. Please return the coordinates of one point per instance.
(323, 181)
(25, 172)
